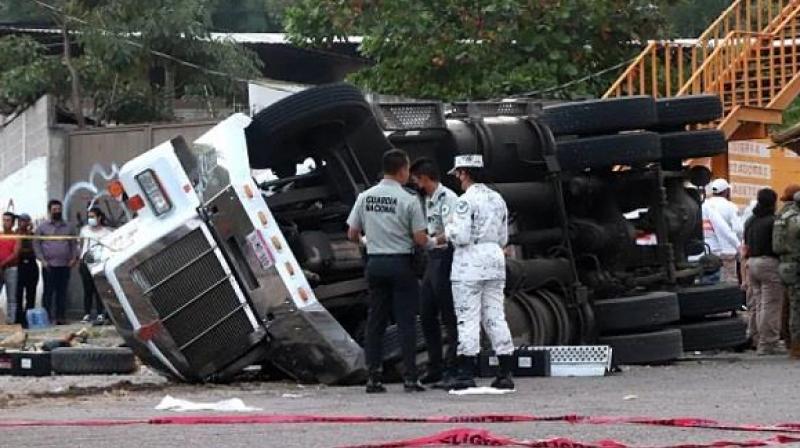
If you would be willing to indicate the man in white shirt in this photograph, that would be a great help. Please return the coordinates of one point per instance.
(720, 200)
(722, 239)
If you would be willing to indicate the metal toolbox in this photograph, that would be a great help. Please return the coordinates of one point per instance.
(527, 362)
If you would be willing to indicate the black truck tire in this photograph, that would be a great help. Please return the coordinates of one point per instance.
(637, 312)
(603, 116)
(699, 301)
(677, 112)
(93, 360)
(714, 334)
(656, 347)
(691, 144)
(318, 116)
(609, 150)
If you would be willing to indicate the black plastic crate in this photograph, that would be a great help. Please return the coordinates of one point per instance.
(21, 363)
(527, 362)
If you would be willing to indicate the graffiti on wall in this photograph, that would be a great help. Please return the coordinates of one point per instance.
(85, 194)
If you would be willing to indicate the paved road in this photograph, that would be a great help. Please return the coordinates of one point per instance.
(733, 388)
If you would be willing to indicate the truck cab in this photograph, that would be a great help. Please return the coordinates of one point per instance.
(201, 281)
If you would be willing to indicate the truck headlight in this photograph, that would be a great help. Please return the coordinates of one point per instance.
(153, 191)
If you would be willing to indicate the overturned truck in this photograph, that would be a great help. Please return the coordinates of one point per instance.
(217, 272)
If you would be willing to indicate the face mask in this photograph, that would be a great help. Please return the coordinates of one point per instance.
(92, 222)
(56, 216)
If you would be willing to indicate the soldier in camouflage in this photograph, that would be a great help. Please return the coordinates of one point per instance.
(478, 229)
(786, 243)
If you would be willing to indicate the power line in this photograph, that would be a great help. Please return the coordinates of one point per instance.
(575, 81)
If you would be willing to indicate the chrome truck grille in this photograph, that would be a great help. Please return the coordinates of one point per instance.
(195, 299)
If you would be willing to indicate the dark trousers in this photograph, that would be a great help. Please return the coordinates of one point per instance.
(393, 290)
(27, 280)
(56, 280)
(436, 309)
(90, 295)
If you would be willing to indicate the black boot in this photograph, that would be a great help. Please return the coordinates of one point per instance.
(412, 385)
(465, 376)
(433, 375)
(374, 384)
(448, 375)
(503, 379)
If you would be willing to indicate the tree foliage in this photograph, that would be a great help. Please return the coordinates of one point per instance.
(690, 18)
(119, 60)
(456, 49)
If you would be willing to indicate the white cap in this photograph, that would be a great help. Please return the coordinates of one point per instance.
(718, 186)
(467, 161)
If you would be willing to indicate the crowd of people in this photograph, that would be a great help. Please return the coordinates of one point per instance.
(759, 248)
(50, 251)
(462, 287)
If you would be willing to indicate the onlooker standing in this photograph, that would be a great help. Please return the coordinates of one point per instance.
(8, 266)
(27, 270)
(57, 256)
(728, 228)
(91, 253)
(720, 201)
(722, 242)
(764, 281)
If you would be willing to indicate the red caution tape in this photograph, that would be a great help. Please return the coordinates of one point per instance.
(482, 437)
(241, 419)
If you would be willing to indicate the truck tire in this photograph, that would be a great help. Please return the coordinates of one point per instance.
(637, 312)
(603, 116)
(325, 114)
(609, 150)
(656, 347)
(699, 301)
(691, 144)
(93, 360)
(713, 334)
(675, 113)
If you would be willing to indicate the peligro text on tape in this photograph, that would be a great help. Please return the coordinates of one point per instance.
(482, 437)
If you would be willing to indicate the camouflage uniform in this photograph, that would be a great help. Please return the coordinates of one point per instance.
(786, 243)
(478, 228)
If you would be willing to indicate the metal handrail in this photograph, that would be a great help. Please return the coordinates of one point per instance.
(656, 61)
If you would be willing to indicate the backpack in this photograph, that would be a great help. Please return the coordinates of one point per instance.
(786, 232)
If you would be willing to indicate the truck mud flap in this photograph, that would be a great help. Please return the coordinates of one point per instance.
(329, 354)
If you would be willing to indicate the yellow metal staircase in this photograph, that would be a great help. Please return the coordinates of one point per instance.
(749, 57)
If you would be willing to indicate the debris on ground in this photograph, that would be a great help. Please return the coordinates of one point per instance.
(169, 403)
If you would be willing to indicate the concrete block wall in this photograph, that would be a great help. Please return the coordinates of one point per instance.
(30, 148)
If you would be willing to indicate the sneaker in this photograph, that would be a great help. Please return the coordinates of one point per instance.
(101, 320)
(86, 319)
